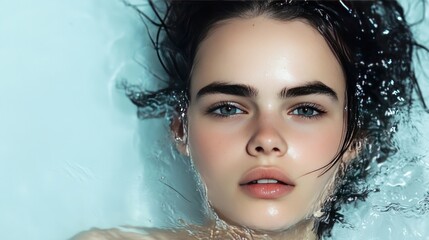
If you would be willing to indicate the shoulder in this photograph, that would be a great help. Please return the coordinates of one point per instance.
(109, 234)
(92, 234)
(116, 234)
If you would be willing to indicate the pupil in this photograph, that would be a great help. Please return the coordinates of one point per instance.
(227, 109)
(306, 111)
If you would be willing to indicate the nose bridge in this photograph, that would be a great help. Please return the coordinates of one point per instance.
(267, 137)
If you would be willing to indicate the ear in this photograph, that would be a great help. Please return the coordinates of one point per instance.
(179, 135)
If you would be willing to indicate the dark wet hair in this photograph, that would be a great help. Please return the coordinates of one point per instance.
(371, 40)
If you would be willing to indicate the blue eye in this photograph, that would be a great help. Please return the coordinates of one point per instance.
(225, 110)
(307, 111)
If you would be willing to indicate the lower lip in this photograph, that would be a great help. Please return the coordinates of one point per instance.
(267, 191)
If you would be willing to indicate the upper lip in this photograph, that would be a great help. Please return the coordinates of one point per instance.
(265, 173)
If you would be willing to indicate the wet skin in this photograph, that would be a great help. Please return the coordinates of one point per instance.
(266, 96)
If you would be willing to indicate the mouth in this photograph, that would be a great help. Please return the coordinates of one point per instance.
(266, 183)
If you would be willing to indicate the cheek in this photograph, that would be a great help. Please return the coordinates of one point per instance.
(314, 147)
(211, 148)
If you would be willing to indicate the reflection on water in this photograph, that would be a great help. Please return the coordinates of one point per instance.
(397, 206)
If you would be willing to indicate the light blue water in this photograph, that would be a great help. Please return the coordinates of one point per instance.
(73, 154)
(399, 209)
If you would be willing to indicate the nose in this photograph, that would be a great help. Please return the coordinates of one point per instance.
(267, 140)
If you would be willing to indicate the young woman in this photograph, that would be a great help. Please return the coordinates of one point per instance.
(276, 103)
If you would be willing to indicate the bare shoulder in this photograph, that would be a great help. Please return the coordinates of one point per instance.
(189, 233)
(116, 234)
(107, 234)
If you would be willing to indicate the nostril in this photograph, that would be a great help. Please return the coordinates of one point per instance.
(261, 149)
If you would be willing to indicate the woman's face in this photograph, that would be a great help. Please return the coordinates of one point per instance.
(266, 113)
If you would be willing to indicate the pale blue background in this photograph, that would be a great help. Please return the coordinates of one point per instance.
(73, 155)
(71, 147)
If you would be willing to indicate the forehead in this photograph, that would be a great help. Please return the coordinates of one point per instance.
(261, 49)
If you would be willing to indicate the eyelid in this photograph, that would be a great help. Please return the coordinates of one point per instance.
(316, 107)
(221, 104)
(309, 104)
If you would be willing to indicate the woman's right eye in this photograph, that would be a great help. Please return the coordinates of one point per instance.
(225, 110)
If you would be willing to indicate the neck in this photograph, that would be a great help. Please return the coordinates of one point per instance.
(302, 231)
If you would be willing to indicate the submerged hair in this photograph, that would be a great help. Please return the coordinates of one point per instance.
(371, 40)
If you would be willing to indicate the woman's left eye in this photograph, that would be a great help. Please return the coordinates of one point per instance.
(307, 112)
(225, 110)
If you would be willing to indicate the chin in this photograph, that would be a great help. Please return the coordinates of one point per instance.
(270, 226)
(265, 224)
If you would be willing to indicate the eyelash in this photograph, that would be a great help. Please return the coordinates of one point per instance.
(311, 106)
(212, 110)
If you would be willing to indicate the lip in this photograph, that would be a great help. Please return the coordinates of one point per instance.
(266, 190)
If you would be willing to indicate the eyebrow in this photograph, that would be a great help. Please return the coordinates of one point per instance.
(242, 90)
(315, 87)
(227, 88)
